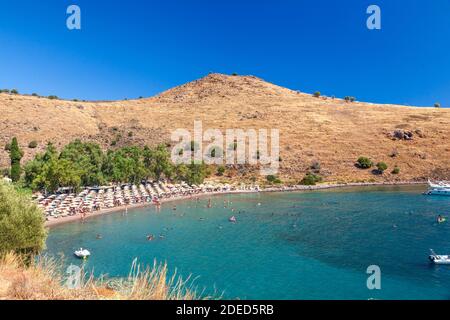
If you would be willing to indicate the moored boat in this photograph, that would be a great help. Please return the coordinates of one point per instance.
(438, 259)
(438, 188)
(82, 253)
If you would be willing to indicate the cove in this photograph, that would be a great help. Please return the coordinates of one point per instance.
(302, 245)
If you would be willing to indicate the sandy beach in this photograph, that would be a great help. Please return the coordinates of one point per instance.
(62, 220)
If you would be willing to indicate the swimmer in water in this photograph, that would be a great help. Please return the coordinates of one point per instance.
(99, 236)
(150, 237)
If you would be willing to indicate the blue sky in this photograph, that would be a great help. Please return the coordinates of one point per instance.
(133, 48)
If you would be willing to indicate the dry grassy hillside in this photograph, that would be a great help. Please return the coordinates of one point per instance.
(330, 131)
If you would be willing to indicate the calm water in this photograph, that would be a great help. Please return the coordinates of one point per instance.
(312, 245)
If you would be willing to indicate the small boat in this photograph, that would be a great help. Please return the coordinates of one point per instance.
(233, 219)
(82, 253)
(441, 219)
(438, 259)
(438, 188)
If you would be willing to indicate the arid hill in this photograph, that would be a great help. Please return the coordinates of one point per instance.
(331, 131)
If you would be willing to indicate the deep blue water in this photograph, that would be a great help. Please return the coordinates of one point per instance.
(308, 245)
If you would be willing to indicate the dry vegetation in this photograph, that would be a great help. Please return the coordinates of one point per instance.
(331, 131)
(44, 280)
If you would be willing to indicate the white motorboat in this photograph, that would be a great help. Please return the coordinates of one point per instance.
(82, 253)
(438, 188)
(438, 259)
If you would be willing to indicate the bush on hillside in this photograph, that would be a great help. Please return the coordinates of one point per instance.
(316, 94)
(311, 179)
(381, 167)
(364, 163)
(33, 144)
(273, 179)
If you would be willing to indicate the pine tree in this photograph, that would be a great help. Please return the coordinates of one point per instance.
(15, 155)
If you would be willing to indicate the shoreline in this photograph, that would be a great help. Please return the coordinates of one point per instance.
(69, 219)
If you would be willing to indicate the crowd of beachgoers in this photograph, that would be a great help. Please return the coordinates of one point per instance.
(68, 206)
(96, 199)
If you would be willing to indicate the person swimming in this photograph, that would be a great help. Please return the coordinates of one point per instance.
(440, 219)
(98, 237)
(233, 219)
(150, 237)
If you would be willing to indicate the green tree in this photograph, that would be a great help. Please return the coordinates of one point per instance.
(159, 163)
(15, 155)
(88, 158)
(21, 223)
(197, 173)
(57, 173)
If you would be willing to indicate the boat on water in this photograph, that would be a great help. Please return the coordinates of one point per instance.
(438, 259)
(438, 188)
(82, 253)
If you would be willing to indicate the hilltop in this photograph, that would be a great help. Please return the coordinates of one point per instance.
(330, 131)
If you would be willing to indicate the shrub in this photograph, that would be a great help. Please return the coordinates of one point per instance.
(381, 166)
(396, 170)
(234, 74)
(273, 179)
(130, 134)
(316, 94)
(220, 170)
(364, 163)
(14, 91)
(35, 95)
(21, 223)
(5, 91)
(437, 105)
(53, 97)
(311, 179)
(8, 147)
(15, 155)
(349, 99)
(33, 144)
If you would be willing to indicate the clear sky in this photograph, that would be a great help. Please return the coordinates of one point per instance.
(133, 48)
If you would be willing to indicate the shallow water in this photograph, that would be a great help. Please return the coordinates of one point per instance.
(306, 245)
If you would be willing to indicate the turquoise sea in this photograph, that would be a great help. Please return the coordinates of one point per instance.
(305, 245)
